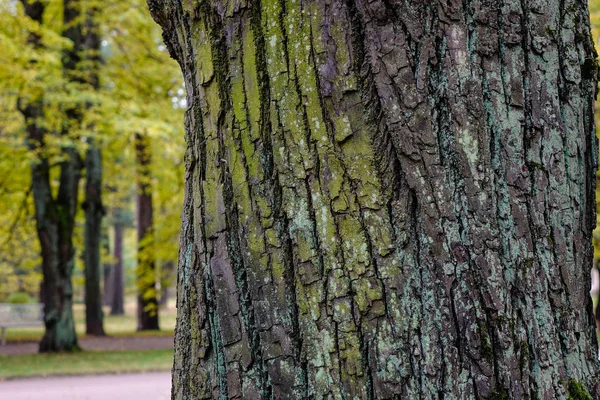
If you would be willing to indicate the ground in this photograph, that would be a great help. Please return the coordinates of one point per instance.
(148, 386)
(123, 350)
(109, 343)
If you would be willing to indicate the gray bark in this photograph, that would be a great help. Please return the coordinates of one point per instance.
(385, 199)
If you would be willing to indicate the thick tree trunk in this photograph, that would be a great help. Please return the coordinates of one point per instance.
(385, 199)
(55, 221)
(117, 305)
(55, 229)
(54, 217)
(146, 268)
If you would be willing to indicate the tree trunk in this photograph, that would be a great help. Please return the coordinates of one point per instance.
(94, 211)
(385, 199)
(167, 273)
(117, 305)
(107, 271)
(56, 220)
(55, 217)
(146, 268)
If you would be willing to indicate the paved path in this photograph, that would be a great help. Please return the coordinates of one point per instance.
(147, 386)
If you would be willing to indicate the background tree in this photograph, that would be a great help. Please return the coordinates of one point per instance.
(27, 69)
(385, 199)
(165, 284)
(107, 268)
(93, 207)
(55, 215)
(146, 267)
(134, 45)
(109, 114)
(117, 300)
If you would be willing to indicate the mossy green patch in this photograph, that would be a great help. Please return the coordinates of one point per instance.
(486, 343)
(577, 391)
(500, 393)
(201, 41)
(251, 86)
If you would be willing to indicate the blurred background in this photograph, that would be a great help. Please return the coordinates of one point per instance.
(90, 81)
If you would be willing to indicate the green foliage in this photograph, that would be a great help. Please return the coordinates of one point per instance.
(20, 298)
(140, 91)
(147, 97)
(499, 394)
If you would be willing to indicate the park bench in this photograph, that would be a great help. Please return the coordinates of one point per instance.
(12, 315)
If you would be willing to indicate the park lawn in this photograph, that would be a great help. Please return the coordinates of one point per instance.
(85, 362)
(119, 325)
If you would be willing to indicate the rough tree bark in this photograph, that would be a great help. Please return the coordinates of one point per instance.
(385, 199)
(54, 215)
(94, 209)
(146, 266)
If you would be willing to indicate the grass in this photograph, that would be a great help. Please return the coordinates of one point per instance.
(92, 362)
(85, 362)
(120, 325)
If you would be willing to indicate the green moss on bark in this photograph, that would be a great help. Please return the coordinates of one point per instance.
(577, 391)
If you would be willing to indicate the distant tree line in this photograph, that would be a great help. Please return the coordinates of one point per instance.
(90, 145)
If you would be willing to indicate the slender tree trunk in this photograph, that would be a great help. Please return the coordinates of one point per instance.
(107, 271)
(42, 296)
(146, 269)
(94, 211)
(385, 199)
(164, 296)
(167, 273)
(54, 217)
(117, 304)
